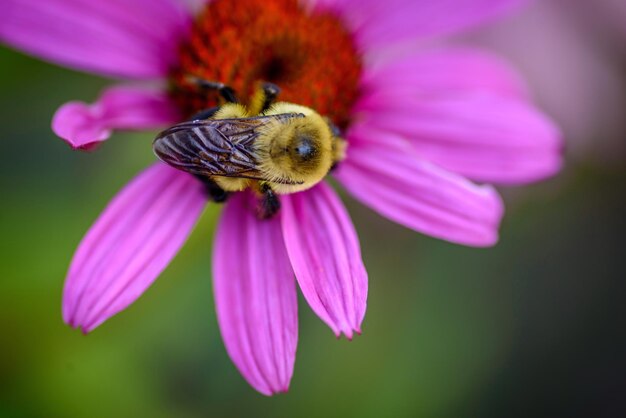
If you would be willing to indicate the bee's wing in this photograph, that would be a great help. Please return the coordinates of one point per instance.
(214, 147)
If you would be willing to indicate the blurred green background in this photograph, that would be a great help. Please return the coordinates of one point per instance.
(532, 327)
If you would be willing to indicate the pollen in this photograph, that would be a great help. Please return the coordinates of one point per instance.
(311, 57)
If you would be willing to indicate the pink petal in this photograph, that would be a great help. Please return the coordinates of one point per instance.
(123, 107)
(325, 254)
(378, 23)
(129, 245)
(121, 38)
(481, 136)
(443, 72)
(384, 172)
(255, 296)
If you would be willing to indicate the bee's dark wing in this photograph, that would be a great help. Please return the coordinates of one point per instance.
(214, 147)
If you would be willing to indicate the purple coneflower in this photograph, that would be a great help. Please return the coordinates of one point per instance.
(422, 124)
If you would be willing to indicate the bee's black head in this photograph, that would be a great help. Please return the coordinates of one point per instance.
(304, 148)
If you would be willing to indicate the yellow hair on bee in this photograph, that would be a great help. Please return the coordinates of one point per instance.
(232, 184)
(299, 150)
(340, 146)
(284, 107)
(231, 111)
(257, 101)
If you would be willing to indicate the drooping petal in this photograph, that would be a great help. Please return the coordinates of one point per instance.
(385, 173)
(378, 23)
(83, 125)
(484, 137)
(255, 296)
(441, 72)
(129, 245)
(135, 39)
(325, 254)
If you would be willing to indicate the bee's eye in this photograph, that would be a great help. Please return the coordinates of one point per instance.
(304, 148)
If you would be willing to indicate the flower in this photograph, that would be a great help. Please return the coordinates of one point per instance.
(421, 122)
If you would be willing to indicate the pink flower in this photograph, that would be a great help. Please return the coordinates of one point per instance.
(421, 124)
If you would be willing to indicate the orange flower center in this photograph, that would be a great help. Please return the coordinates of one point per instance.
(310, 57)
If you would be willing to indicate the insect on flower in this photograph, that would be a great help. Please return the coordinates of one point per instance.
(425, 131)
(272, 148)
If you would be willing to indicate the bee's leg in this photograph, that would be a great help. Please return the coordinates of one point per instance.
(226, 92)
(270, 92)
(205, 114)
(215, 192)
(269, 204)
(263, 98)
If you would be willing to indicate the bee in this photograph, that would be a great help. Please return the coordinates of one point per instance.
(273, 148)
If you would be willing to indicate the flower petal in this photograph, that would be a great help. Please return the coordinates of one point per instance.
(378, 23)
(135, 39)
(384, 172)
(482, 136)
(440, 72)
(129, 245)
(325, 254)
(123, 107)
(255, 296)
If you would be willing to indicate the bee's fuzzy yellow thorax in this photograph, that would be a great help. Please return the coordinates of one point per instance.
(299, 149)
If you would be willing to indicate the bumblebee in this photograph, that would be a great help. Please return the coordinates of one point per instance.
(271, 148)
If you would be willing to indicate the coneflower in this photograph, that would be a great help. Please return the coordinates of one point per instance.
(422, 124)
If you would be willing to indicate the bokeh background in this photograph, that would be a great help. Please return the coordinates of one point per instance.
(531, 328)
